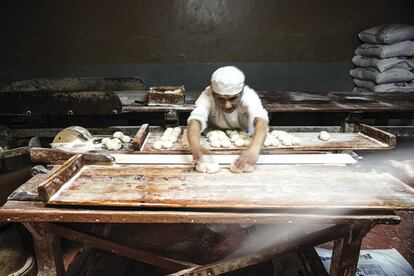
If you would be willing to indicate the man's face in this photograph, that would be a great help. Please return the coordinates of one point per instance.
(227, 103)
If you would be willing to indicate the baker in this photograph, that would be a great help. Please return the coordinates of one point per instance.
(229, 104)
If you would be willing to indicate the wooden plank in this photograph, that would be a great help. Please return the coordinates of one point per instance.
(312, 262)
(274, 186)
(19, 211)
(55, 180)
(101, 243)
(10, 153)
(46, 155)
(379, 135)
(187, 159)
(140, 137)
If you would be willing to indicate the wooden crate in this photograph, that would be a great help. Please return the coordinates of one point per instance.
(166, 95)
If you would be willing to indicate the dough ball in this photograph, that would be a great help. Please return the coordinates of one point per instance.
(213, 167)
(275, 133)
(165, 137)
(243, 133)
(207, 167)
(118, 134)
(168, 131)
(126, 139)
(247, 142)
(114, 144)
(239, 142)
(234, 137)
(233, 132)
(228, 132)
(282, 135)
(177, 130)
(105, 140)
(226, 143)
(222, 136)
(167, 144)
(215, 143)
(324, 136)
(286, 140)
(157, 145)
(267, 142)
(295, 141)
(173, 139)
(201, 167)
(274, 142)
(211, 133)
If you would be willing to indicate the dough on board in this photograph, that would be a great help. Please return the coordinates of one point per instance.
(157, 145)
(207, 167)
(118, 134)
(125, 139)
(324, 135)
(215, 143)
(114, 144)
(167, 144)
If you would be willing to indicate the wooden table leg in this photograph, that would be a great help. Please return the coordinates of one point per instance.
(346, 251)
(48, 250)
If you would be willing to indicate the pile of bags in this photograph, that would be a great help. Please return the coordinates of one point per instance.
(385, 62)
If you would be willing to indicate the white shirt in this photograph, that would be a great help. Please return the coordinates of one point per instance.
(211, 115)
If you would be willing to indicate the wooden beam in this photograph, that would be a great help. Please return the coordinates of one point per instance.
(305, 241)
(140, 137)
(19, 211)
(312, 262)
(48, 250)
(55, 180)
(47, 155)
(346, 251)
(135, 254)
(378, 134)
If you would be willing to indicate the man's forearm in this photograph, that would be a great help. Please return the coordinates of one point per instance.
(260, 131)
(194, 128)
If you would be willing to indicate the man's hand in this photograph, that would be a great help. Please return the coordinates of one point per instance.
(246, 160)
(197, 149)
(198, 152)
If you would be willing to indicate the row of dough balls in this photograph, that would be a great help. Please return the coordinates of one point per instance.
(117, 141)
(168, 138)
(221, 139)
(279, 137)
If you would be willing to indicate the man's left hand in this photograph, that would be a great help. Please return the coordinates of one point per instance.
(246, 160)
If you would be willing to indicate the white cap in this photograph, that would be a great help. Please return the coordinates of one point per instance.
(227, 81)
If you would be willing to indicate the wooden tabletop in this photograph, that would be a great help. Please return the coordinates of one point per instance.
(289, 101)
(331, 187)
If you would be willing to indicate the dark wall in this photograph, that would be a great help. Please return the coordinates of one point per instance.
(288, 44)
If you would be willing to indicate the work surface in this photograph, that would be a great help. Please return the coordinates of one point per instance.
(281, 186)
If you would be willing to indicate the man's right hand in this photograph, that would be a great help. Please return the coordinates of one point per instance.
(198, 152)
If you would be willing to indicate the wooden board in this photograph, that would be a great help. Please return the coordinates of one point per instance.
(368, 138)
(292, 101)
(281, 186)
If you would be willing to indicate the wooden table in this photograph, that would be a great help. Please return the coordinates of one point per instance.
(345, 222)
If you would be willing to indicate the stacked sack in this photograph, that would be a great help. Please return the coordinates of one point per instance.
(385, 62)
